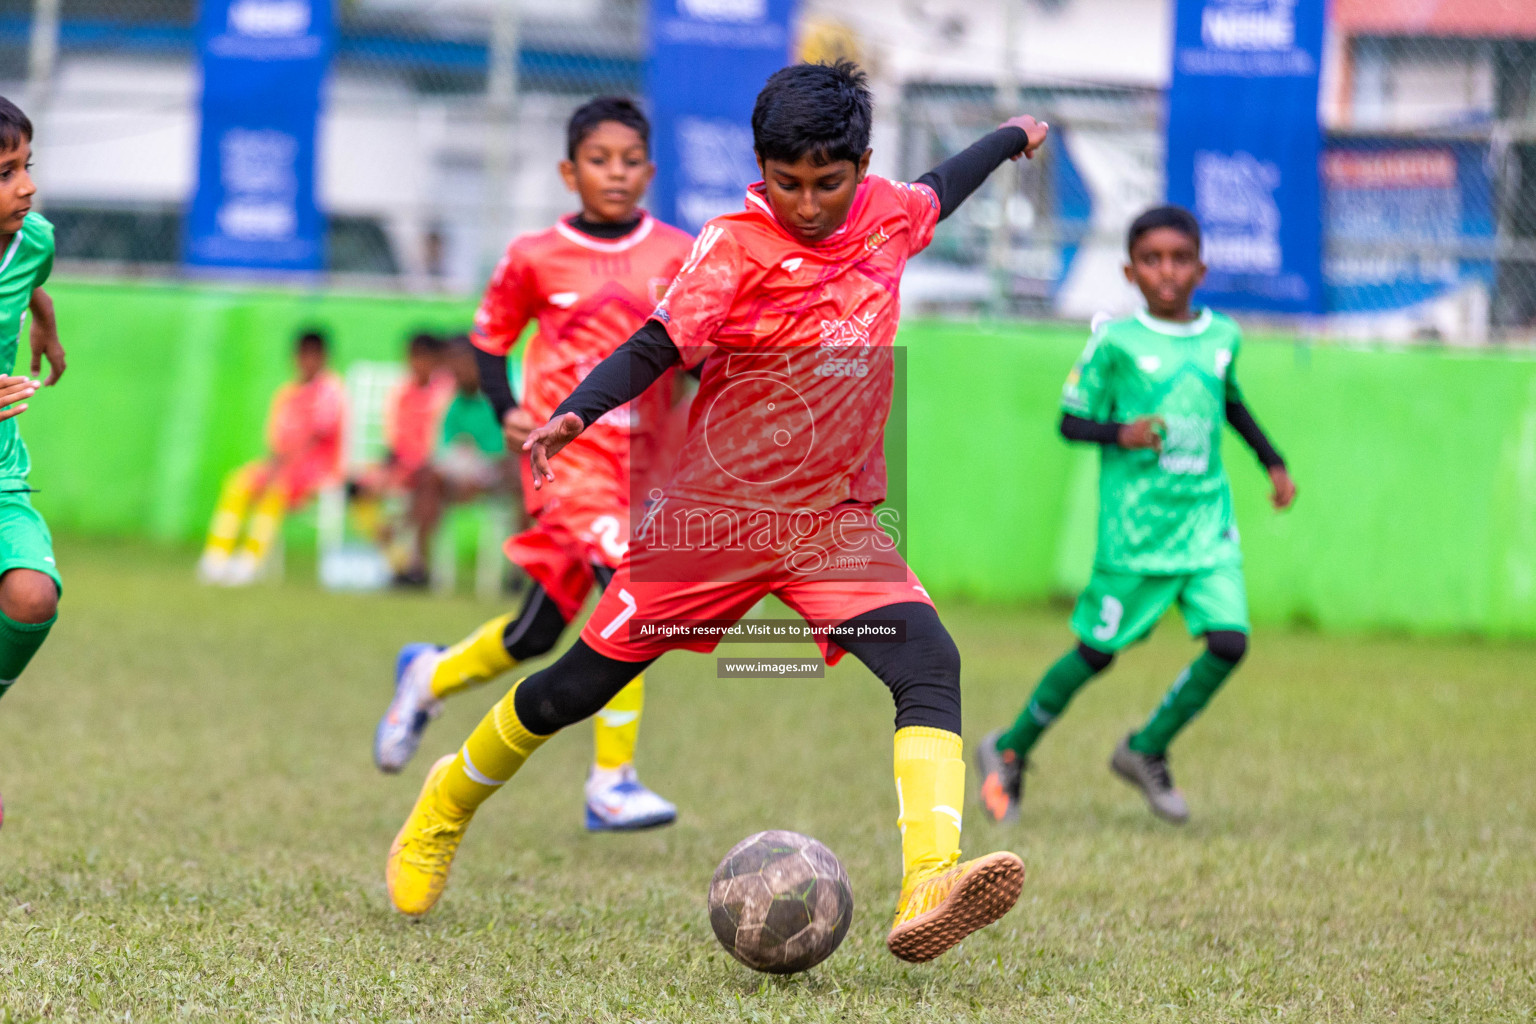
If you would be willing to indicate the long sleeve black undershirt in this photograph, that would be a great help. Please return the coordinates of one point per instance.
(494, 382)
(956, 178)
(624, 375)
(1078, 428)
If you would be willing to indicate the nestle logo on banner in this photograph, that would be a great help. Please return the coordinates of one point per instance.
(1235, 201)
(269, 19)
(741, 11)
(1248, 24)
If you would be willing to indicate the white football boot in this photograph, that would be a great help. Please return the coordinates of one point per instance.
(618, 802)
(399, 732)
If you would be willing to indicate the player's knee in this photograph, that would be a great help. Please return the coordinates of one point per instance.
(922, 672)
(1227, 644)
(29, 596)
(572, 689)
(536, 629)
(1094, 658)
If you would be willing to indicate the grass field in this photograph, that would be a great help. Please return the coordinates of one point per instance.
(194, 830)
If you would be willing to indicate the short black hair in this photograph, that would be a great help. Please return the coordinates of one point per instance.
(592, 113)
(425, 341)
(818, 110)
(311, 338)
(1176, 217)
(14, 126)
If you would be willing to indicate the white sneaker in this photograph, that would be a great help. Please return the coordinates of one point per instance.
(212, 567)
(241, 570)
(399, 732)
(618, 802)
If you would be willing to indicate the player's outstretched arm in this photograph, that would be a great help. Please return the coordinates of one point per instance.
(45, 337)
(955, 179)
(623, 376)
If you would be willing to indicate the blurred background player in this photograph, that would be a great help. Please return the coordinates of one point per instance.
(305, 438)
(413, 417)
(469, 463)
(1154, 391)
(29, 578)
(805, 279)
(589, 282)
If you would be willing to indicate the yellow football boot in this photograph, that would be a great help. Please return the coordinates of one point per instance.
(933, 915)
(423, 850)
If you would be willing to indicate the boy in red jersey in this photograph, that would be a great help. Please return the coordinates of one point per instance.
(589, 282)
(413, 414)
(790, 307)
(305, 428)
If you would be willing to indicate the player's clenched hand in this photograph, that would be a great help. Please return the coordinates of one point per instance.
(1147, 432)
(45, 337)
(545, 442)
(516, 425)
(15, 389)
(1034, 131)
(1284, 494)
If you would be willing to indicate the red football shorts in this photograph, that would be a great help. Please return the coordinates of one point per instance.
(690, 562)
(580, 519)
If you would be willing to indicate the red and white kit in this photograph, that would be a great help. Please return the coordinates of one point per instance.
(588, 296)
(774, 488)
(306, 429)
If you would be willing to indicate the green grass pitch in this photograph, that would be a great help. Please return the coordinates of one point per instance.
(194, 831)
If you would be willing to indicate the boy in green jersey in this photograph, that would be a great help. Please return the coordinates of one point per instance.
(29, 578)
(1154, 390)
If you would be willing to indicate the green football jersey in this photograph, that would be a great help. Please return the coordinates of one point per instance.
(473, 417)
(1168, 512)
(25, 265)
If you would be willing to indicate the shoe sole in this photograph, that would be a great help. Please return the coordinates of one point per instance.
(988, 772)
(985, 894)
(1132, 779)
(437, 769)
(596, 824)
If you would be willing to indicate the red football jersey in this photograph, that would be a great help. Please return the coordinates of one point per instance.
(306, 424)
(795, 338)
(588, 296)
(413, 417)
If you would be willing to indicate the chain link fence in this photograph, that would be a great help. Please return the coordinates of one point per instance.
(443, 122)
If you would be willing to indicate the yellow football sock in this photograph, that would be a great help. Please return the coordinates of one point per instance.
(930, 790)
(368, 517)
(224, 528)
(617, 726)
(492, 755)
(478, 658)
(265, 522)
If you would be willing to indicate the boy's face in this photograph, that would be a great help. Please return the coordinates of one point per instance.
(1165, 266)
(310, 360)
(16, 187)
(812, 199)
(611, 172)
(465, 371)
(422, 363)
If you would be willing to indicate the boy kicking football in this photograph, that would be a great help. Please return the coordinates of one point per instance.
(790, 307)
(1154, 391)
(589, 282)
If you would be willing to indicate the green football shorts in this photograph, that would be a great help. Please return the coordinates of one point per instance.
(25, 542)
(1119, 609)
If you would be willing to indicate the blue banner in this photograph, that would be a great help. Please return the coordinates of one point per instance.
(264, 63)
(1243, 147)
(1405, 222)
(708, 60)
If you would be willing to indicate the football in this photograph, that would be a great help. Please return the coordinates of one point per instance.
(780, 902)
